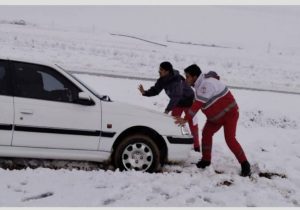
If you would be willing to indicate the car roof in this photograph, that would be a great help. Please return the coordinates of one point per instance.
(29, 60)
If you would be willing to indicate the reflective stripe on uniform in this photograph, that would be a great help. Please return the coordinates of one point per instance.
(201, 98)
(223, 112)
(215, 98)
(206, 148)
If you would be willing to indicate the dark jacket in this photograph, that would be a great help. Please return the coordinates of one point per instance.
(179, 92)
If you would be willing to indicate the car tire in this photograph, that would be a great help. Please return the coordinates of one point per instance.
(137, 152)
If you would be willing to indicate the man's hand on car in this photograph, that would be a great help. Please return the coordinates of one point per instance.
(180, 121)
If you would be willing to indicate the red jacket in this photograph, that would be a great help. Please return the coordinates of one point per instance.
(212, 97)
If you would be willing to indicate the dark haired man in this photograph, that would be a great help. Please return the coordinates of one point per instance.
(181, 95)
(218, 104)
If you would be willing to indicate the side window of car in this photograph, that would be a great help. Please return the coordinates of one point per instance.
(4, 80)
(42, 82)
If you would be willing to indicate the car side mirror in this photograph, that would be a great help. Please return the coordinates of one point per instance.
(85, 99)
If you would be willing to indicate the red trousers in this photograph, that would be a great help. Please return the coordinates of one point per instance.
(177, 112)
(229, 123)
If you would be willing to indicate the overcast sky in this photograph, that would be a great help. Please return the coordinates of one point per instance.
(234, 25)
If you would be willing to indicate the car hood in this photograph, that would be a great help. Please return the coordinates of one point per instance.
(124, 109)
(132, 115)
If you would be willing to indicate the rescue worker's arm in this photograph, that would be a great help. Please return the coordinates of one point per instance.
(191, 113)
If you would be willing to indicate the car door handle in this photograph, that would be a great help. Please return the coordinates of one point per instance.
(27, 111)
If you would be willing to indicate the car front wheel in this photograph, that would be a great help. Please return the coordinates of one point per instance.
(137, 152)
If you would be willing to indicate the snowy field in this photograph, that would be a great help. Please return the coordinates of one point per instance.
(259, 49)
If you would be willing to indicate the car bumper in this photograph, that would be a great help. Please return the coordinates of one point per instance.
(179, 147)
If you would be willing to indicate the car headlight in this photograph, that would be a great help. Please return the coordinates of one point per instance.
(185, 129)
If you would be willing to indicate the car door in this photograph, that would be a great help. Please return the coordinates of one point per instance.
(6, 105)
(46, 114)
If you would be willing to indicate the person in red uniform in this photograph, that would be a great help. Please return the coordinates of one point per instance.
(180, 93)
(218, 104)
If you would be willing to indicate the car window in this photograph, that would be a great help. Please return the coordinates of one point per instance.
(42, 82)
(3, 79)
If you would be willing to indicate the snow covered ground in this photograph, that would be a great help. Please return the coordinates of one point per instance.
(259, 49)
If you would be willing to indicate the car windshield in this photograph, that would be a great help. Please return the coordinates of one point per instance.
(101, 97)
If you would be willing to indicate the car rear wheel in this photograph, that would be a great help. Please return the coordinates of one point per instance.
(137, 152)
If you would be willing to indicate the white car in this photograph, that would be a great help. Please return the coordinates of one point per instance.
(47, 113)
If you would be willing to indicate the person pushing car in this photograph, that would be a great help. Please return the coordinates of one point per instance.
(218, 104)
(180, 93)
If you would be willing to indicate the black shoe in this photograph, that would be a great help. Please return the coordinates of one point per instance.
(197, 149)
(246, 169)
(203, 163)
